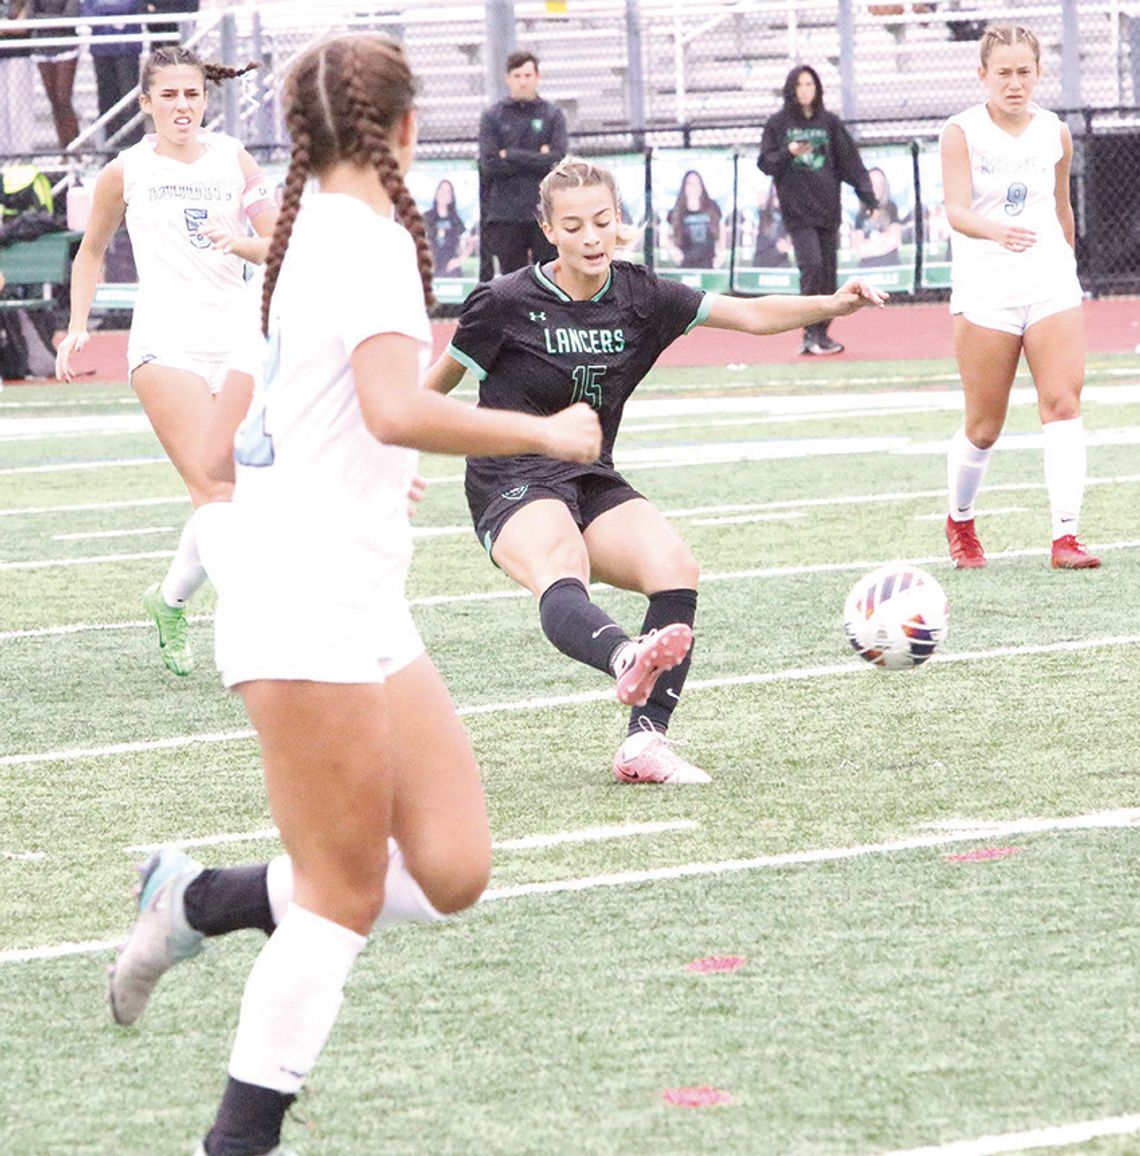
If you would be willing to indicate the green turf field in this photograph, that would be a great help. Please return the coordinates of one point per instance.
(929, 880)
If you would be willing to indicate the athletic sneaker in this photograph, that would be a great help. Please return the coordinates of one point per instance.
(1069, 554)
(278, 1151)
(646, 658)
(821, 347)
(965, 550)
(649, 757)
(160, 937)
(173, 643)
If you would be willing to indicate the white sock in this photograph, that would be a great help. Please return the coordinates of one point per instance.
(187, 569)
(404, 898)
(965, 469)
(292, 999)
(1066, 468)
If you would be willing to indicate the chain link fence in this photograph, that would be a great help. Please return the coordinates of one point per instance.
(632, 74)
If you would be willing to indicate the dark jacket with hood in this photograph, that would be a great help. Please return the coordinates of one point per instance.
(808, 185)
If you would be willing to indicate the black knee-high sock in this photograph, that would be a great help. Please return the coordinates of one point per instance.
(248, 1121)
(665, 607)
(577, 626)
(224, 899)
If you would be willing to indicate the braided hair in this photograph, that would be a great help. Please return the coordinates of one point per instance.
(1007, 35)
(171, 54)
(343, 97)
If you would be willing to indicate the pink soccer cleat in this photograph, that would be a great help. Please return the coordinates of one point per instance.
(646, 658)
(650, 758)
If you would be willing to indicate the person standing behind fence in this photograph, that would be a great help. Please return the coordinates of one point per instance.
(1014, 289)
(116, 64)
(190, 198)
(809, 153)
(521, 138)
(57, 64)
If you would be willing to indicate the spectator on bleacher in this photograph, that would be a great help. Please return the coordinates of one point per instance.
(587, 327)
(696, 225)
(190, 199)
(57, 64)
(877, 233)
(1014, 290)
(116, 64)
(447, 234)
(808, 152)
(521, 138)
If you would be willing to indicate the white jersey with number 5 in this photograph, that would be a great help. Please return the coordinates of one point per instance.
(188, 291)
(1013, 179)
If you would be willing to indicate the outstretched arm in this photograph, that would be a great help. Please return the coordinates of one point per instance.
(107, 209)
(775, 314)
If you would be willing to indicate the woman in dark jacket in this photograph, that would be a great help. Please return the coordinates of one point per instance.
(808, 152)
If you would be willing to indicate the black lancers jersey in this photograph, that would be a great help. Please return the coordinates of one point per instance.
(534, 349)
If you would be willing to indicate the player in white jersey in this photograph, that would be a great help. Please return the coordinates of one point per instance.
(190, 199)
(360, 741)
(1005, 174)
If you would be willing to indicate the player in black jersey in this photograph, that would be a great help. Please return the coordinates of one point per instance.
(587, 328)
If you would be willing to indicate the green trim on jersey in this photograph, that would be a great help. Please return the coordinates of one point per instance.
(471, 366)
(703, 311)
(546, 283)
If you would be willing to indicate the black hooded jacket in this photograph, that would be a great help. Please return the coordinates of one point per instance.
(808, 185)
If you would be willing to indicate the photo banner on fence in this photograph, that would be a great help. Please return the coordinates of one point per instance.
(692, 207)
(935, 226)
(878, 244)
(447, 193)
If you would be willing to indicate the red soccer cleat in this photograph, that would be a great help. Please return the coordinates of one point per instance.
(1069, 554)
(965, 550)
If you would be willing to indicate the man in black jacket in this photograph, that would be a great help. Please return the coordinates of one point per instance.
(521, 139)
(808, 152)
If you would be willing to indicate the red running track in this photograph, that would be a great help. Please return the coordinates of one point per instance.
(896, 332)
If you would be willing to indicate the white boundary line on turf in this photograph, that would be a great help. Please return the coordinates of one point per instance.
(1097, 820)
(844, 669)
(523, 843)
(1057, 1136)
(783, 504)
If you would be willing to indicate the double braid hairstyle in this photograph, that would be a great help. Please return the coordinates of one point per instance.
(343, 97)
(171, 54)
(1005, 36)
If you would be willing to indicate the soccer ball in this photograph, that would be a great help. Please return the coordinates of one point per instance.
(896, 616)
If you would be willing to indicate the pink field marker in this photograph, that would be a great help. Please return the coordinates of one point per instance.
(718, 963)
(983, 854)
(700, 1097)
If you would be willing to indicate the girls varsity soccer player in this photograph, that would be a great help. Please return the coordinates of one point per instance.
(190, 198)
(1005, 172)
(584, 327)
(360, 742)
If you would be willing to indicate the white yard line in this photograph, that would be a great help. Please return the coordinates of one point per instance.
(524, 843)
(1127, 817)
(139, 533)
(1057, 1136)
(851, 666)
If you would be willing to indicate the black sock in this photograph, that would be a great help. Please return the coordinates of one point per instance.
(248, 1121)
(665, 607)
(224, 899)
(577, 626)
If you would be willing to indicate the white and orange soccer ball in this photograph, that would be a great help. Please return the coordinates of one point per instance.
(896, 616)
